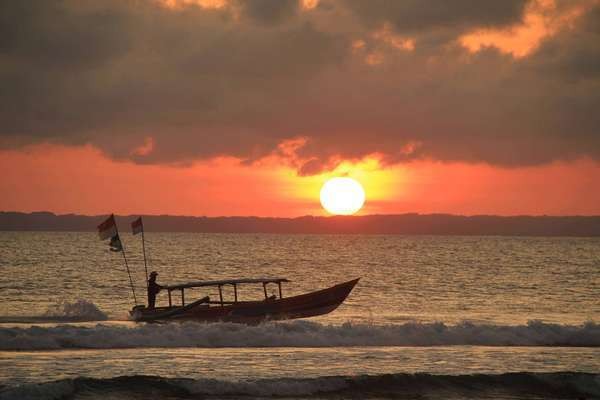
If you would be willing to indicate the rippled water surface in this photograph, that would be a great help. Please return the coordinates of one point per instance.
(439, 306)
(449, 279)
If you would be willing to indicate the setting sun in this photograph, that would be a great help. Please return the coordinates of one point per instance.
(342, 196)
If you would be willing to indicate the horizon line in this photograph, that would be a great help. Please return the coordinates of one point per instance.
(311, 216)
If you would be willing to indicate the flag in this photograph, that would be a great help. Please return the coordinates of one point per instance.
(108, 228)
(136, 226)
(115, 243)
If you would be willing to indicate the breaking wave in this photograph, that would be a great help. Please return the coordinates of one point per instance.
(80, 310)
(555, 385)
(296, 334)
(63, 311)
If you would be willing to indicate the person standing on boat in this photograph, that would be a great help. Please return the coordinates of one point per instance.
(153, 289)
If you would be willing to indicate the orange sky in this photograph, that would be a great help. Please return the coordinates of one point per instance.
(81, 180)
(219, 107)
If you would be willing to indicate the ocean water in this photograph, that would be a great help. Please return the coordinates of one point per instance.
(432, 317)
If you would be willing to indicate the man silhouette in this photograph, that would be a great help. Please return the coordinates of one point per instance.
(153, 289)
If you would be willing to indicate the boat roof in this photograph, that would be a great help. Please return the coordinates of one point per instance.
(225, 282)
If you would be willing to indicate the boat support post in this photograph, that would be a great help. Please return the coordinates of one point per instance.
(126, 264)
(144, 250)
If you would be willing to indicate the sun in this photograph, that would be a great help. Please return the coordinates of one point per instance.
(342, 196)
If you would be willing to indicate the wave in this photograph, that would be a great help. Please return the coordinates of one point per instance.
(63, 311)
(555, 385)
(296, 334)
(80, 309)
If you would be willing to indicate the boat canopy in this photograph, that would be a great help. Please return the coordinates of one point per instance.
(225, 282)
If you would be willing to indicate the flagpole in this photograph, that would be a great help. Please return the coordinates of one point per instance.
(144, 250)
(129, 273)
(126, 265)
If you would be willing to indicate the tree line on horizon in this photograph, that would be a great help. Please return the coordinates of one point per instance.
(406, 224)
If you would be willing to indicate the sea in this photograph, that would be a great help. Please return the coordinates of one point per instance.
(432, 317)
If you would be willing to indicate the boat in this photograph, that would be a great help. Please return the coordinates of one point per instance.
(271, 308)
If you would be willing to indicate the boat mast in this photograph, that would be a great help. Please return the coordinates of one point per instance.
(144, 250)
(127, 266)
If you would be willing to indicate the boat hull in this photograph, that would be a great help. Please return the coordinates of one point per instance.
(251, 312)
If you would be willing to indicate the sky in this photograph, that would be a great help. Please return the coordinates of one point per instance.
(231, 107)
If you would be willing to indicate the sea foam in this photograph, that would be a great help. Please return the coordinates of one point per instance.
(295, 334)
(62, 311)
(80, 310)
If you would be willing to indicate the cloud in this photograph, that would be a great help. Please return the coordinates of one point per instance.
(269, 11)
(575, 55)
(418, 17)
(351, 78)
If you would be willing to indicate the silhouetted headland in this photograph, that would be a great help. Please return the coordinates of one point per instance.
(404, 224)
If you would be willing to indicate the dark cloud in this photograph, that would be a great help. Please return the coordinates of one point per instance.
(199, 82)
(269, 11)
(420, 16)
(574, 55)
(243, 79)
(58, 35)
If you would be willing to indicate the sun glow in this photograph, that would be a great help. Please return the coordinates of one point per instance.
(342, 196)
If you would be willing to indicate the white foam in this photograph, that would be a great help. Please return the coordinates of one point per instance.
(80, 310)
(296, 334)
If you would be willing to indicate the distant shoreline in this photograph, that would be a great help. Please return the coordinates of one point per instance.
(401, 224)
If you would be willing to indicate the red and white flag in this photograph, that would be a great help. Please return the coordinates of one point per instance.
(137, 226)
(108, 228)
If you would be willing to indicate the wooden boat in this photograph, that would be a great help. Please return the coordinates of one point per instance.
(250, 312)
